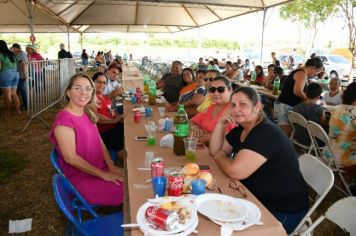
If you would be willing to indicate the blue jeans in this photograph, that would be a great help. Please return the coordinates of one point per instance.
(288, 220)
(23, 91)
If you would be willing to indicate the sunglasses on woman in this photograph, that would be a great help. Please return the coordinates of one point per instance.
(220, 89)
(206, 79)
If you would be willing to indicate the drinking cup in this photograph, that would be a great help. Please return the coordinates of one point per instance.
(119, 108)
(133, 99)
(162, 111)
(190, 144)
(151, 140)
(148, 111)
(198, 186)
(149, 156)
(159, 185)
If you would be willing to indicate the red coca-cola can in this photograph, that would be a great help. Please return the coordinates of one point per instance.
(137, 116)
(162, 218)
(175, 184)
(157, 167)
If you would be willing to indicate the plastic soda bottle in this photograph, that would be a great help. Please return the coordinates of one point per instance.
(181, 130)
(276, 84)
(146, 81)
(253, 77)
(152, 92)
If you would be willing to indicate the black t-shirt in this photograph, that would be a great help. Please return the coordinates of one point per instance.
(287, 95)
(172, 86)
(278, 183)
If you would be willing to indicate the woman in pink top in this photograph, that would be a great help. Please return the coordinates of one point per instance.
(220, 90)
(83, 156)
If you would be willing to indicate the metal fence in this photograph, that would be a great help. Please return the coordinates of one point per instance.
(46, 84)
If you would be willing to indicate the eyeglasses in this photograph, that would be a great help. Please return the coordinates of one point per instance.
(210, 79)
(233, 185)
(114, 73)
(101, 82)
(220, 89)
(78, 88)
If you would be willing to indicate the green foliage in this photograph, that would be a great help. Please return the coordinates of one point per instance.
(308, 12)
(10, 163)
(185, 43)
(220, 44)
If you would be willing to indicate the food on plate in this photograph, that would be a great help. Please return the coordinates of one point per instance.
(183, 214)
(190, 169)
(187, 181)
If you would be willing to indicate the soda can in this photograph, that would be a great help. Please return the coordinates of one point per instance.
(175, 184)
(168, 124)
(137, 116)
(162, 218)
(157, 167)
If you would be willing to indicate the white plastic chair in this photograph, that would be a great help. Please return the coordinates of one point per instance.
(342, 213)
(325, 153)
(320, 178)
(296, 118)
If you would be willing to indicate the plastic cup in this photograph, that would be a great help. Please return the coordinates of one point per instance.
(119, 108)
(162, 111)
(159, 185)
(148, 111)
(190, 144)
(151, 140)
(198, 186)
(133, 99)
(149, 156)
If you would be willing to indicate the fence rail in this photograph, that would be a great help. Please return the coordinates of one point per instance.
(46, 84)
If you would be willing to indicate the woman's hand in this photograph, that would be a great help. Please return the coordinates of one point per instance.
(117, 170)
(112, 177)
(197, 132)
(226, 118)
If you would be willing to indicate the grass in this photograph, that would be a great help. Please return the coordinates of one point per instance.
(10, 164)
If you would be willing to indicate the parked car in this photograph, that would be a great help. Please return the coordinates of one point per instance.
(285, 60)
(337, 65)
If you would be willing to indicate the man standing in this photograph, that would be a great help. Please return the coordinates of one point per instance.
(22, 60)
(113, 87)
(37, 77)
(172, 82)
(63, 53)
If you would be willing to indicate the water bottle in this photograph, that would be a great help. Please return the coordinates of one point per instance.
(181, 130)
(276, 85)
(152, 92)
(146, 81)
(253, 77)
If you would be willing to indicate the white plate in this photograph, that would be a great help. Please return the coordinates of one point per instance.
(128, 98)
(253, 217)
(221, 207)
(142, 221)
(140, 109)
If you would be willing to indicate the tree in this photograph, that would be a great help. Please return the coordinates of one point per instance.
(311, 13)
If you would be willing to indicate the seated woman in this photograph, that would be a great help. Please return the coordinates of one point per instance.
(261, 156)
(220, 91)
(185, 92)
(83, 156)
(342, 130)
(333, 96)
(268, 81)
(110, 124)
(260, 75)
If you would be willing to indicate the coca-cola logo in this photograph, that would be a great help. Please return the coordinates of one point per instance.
(151, 212)
(176, 184)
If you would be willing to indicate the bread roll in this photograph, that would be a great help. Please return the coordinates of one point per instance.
(190, 169)
(207, 177)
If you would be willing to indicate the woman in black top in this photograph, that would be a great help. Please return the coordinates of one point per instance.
(261, 157)
(293, 91)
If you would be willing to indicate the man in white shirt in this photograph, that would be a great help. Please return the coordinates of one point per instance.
(113, 88)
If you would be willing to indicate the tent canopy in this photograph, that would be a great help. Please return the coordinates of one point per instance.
(96, 16)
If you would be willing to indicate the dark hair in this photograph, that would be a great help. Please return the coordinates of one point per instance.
(178, 63)
(316, 62)
(278, 63)
(229, 63)
(349, 95)
(313, 91)
(278, 70)
(224, 79)
(97, 74)
(191, 72)
(114, 65)
(261, 70)
(6, 51)
(216, 61)
(211, 63)
(271, 65)
(84, 55)
(16, 45)
(250, 93)
(200, 71)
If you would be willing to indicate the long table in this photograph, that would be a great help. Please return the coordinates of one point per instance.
(260, 89)
(138, 190)
(131, 77)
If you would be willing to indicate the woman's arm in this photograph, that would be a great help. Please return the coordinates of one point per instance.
(196, 100)
(244, 165)
(110, 163)
(300, 79)
(103, 119)
(217, 139)
(65, 137)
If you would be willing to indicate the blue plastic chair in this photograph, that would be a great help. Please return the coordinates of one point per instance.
(105, 225)
(76, 205)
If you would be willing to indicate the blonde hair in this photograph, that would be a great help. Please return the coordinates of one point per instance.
(91, 114)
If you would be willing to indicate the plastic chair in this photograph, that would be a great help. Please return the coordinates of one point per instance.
(320, 178)
(105, 225)
(298, 121)
(342, 213)
(325, 153)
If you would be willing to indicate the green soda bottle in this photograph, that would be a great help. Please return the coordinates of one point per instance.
(253, 77)
(181, 130)
(152, 92)
(146, 81)
(276, 84)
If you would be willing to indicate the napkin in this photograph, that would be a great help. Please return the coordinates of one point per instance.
(20, 226)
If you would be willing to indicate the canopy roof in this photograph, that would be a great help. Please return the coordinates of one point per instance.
(95, 16)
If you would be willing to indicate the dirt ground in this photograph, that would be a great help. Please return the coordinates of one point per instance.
(28, 193)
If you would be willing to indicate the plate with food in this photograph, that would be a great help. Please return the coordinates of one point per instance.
(221, 207)
(167, 218)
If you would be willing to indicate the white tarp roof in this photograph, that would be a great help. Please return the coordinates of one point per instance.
(122, 16)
